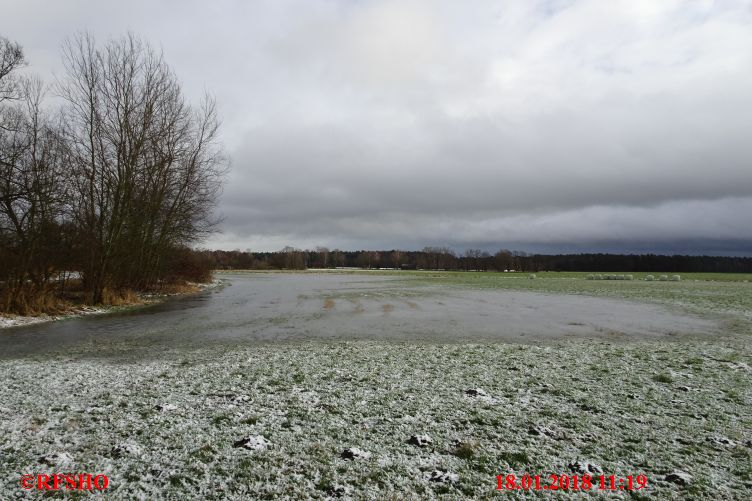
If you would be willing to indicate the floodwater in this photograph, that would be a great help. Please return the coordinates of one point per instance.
(287, 307)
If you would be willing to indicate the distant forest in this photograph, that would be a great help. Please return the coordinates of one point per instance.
(471, 260)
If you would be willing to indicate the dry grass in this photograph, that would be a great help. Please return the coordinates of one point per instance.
(466, 450)
(121, 297)
(31, 300)
(178, 288)
(56, 299)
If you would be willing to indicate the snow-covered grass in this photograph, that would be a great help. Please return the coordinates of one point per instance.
(317, 419)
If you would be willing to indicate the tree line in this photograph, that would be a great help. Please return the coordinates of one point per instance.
(108, 171)
(443, 258)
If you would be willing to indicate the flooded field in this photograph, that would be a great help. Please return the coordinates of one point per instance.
(283, 307)
(363, 386)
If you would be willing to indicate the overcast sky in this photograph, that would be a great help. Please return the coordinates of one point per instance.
(549, 125)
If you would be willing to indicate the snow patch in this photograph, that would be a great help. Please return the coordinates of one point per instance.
(585, 468)
(353, 453)
(679, 478)
(253, 443)
(443, 477)
(420, 440)
(57, 459)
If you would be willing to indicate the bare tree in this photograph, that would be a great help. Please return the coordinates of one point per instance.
(11, 59)
(503, 260)
(323, 253)
(147, 166)
(32, 192)
(473, 256)
(294, 258)
(125, 178)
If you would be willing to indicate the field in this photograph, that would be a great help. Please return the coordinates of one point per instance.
(726, 295)
(333, 418)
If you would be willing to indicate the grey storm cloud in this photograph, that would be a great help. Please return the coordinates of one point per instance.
(582, 124)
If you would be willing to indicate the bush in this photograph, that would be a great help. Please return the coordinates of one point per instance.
(111, 297)
(189, 265)
(32, 300)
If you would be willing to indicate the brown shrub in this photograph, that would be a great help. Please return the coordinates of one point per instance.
(122, 297)
(31, 300)
(188, 265)
(180, 287)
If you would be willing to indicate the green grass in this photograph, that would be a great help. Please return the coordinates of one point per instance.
(663, 378)
(723, 295)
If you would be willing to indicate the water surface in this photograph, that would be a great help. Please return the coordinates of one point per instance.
(282, 307)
